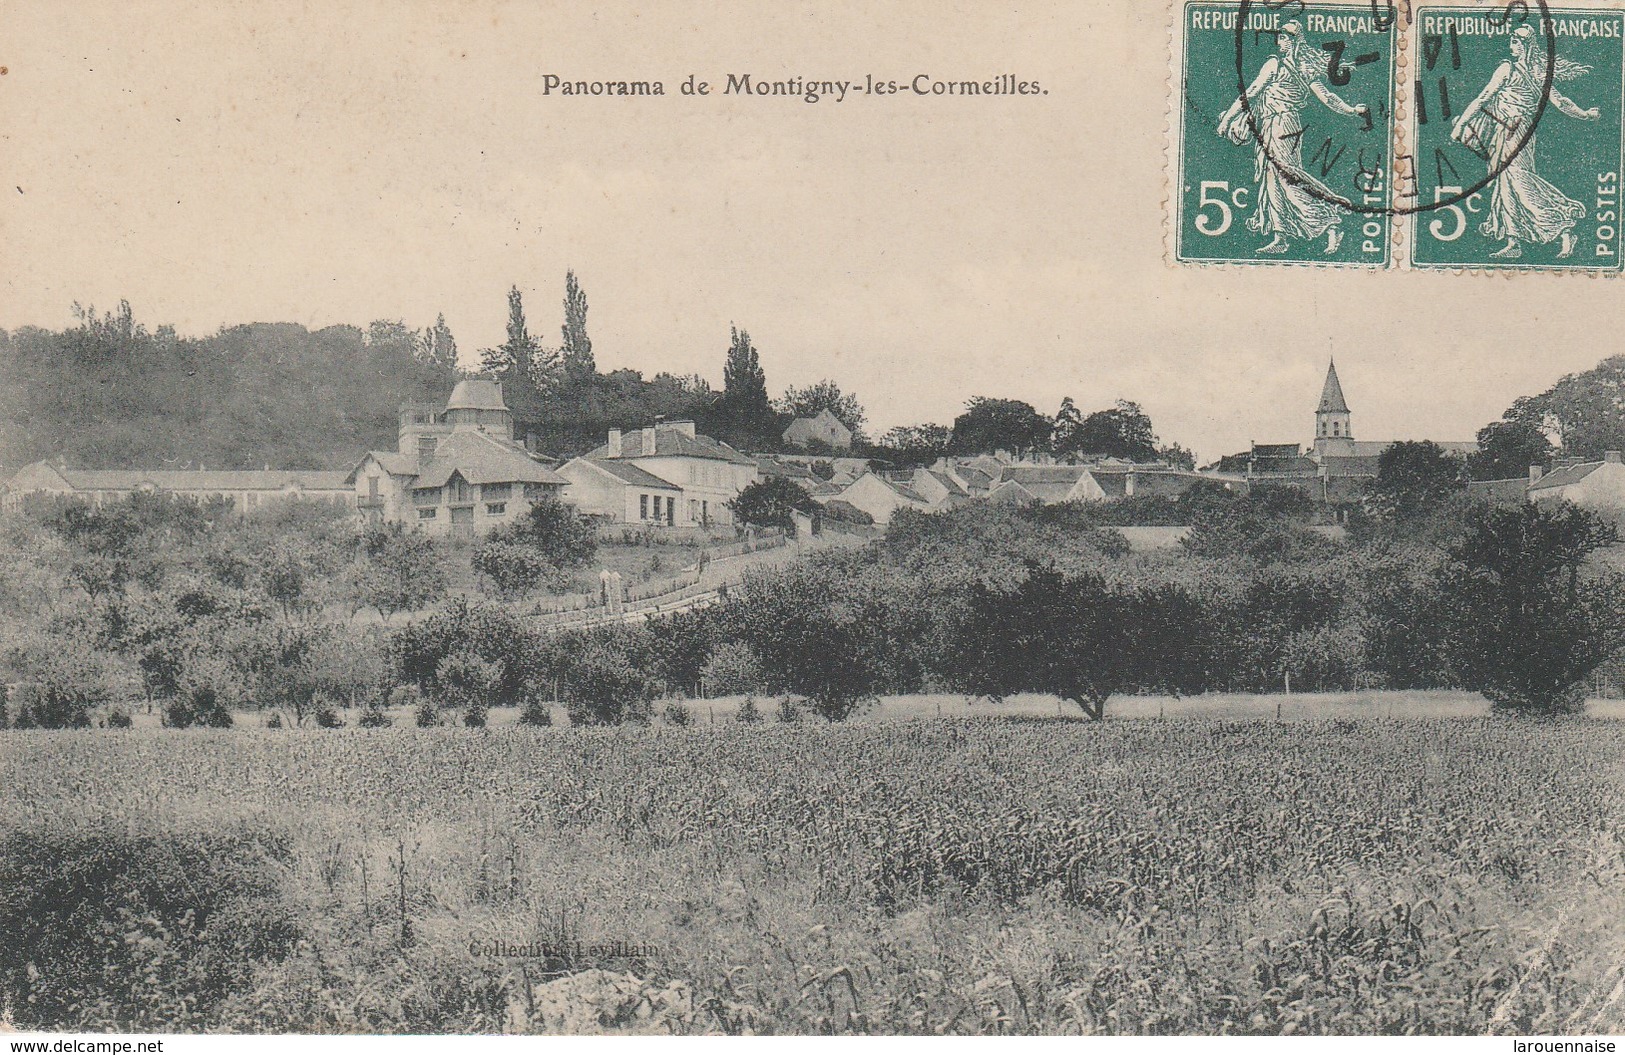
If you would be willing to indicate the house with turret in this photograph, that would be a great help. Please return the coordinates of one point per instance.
(455, 470)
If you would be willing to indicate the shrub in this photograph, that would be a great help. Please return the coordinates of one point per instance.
(536, 713)
(748, 713)
(487, 632)
(675, 713)
(118, 719)
(66, 682)
(789, 711)
(772, 502)
(327, 717)
(605, 686)
(120, 930)
(1530, 620)
(373, 716)
(201, 700)
(474, 716)
(427, 715)
(465, 680)
(553, 529)
(732, 670)
(274, 722)
(512, 568)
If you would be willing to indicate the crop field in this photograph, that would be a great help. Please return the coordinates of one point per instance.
(1434, 875)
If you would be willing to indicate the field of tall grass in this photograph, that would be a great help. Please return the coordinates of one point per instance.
(1441, 875)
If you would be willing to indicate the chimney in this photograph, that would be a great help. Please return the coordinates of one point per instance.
(685, 427)
(1535, 473)
(1611, 457)
(1128, 485)
(614, 443)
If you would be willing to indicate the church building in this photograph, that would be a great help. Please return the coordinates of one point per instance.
(1336, 467)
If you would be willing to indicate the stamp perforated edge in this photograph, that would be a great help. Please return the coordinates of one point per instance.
(1406, 147)
(1403, 226)
(1173, 146)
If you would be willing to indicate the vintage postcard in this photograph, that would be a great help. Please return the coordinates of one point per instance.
(821, 519)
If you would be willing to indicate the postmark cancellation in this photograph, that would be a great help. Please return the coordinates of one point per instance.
(1477, 137)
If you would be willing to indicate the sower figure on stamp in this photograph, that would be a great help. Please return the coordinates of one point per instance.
(1498, 127)
(1291, 203)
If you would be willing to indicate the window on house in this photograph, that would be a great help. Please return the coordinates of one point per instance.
(462, 515)
(496, 492)
(427, 514)
(426, 496)
(496, 509)
(643, 507)
(462, 492)
(372, 487)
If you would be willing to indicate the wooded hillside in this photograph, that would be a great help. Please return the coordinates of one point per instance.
(111, 394)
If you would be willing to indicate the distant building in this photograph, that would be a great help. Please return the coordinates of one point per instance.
(1513, 492)
(824, 428)
(1046, 484)
(1099, 482)
(455, 471)
(1598, 486)
(667, 474)
(246, 489)
(879, 495)
(1337, 467)
(770, 467)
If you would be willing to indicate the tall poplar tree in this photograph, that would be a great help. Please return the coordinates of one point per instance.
(576, 352)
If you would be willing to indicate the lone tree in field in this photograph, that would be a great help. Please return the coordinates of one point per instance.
(1049, 634)
(826, 630)
(1530, 620)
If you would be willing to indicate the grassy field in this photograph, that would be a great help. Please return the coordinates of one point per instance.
(995, 875)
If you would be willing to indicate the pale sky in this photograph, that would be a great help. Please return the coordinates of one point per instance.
(225, 162)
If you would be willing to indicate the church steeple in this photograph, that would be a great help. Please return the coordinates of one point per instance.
(1333, 421)
(1331, 396)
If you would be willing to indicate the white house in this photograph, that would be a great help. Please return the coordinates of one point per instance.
(666, 474)
(880, 497)
(1598, 486)
(621, 491)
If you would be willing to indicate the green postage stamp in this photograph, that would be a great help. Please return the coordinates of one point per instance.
(1517, 136)
(1285, 133)
(1474, 136)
